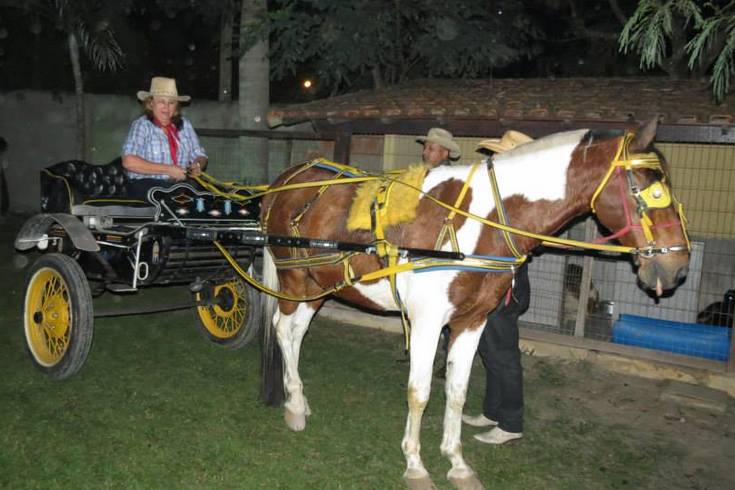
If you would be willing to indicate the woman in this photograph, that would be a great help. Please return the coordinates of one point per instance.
(161, 145)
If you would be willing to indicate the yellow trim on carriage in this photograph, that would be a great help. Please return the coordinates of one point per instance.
(66, 183)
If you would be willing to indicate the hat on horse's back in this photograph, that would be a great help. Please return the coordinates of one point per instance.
(443, 138)
(163, 87)
(508, 141)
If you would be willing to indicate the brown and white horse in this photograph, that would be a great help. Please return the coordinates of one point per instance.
(544, 185)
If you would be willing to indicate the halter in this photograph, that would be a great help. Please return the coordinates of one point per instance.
(657, 195)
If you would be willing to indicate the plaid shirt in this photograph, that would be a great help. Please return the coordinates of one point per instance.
(149, 142)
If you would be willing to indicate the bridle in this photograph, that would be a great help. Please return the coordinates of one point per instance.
(656, 195)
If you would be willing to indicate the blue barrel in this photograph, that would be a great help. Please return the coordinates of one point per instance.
(692, 339)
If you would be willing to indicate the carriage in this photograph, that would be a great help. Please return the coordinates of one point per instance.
(94, 239)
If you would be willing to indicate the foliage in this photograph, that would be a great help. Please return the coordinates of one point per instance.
(701, 32)
(390, 40)
(88, 20)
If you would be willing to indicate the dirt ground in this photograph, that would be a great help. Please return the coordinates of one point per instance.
(701, 440)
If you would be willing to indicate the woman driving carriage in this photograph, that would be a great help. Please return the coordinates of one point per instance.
(161, 145)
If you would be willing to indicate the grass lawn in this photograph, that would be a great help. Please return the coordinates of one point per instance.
(157, 406)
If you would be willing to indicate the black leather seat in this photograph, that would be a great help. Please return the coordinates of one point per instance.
(75, 182)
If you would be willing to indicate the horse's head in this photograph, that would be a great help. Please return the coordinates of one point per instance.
(636, 202)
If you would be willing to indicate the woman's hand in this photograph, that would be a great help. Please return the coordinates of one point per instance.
(195, 169)
(197, 166)
(175, 172)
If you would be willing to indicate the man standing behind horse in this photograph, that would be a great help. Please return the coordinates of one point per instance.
(439, 148)
(498, 347)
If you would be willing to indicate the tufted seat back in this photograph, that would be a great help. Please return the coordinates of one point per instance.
(76, 182)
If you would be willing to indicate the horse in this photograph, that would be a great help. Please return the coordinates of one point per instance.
(543, 185)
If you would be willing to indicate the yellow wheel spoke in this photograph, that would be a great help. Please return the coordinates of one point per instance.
(49, 334)
(226, 317)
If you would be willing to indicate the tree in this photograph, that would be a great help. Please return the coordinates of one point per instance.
(388, 41)
(82, 26)
(684, 38)
(254, 92)
(86, 25)
(580, 38)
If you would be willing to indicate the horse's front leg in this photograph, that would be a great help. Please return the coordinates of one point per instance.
(290, 330)
(459, 365)
(424, 337)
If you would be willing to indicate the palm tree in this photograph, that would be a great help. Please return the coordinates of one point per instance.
(83, 25)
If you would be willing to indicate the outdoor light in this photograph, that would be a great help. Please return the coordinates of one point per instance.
(307, 84)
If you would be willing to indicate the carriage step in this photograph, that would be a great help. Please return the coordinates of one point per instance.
(121, 288)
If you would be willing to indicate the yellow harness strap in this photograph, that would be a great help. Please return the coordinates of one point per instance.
(295, 252)
(501, 212)
(448, 226)
(386, 250)
(655, 196)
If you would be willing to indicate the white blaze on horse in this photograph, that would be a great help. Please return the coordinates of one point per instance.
(543, 185)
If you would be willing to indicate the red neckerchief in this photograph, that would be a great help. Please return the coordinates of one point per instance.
(172, 134)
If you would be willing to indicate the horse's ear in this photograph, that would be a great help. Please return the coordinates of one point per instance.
(644, 137)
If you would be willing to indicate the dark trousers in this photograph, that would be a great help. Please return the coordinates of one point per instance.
(501, 356)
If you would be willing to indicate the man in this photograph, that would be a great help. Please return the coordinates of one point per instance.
(439, 148)
(498, 347)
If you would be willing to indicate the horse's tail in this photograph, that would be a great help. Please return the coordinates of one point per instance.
(272, 374)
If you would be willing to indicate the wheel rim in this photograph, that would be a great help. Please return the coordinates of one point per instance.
(48, 317)
(226, 316)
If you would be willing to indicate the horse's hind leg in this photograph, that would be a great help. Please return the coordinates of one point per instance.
(459, 365)
(290, 330)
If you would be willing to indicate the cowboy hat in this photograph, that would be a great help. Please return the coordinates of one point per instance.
(443, 138)
(508, 141)
(163, 87)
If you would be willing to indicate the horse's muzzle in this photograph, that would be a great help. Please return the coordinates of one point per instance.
(663, 272)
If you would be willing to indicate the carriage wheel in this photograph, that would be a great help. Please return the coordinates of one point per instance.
(232, 319)
(57, 315)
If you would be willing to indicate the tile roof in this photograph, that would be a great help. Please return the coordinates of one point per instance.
(566, 99)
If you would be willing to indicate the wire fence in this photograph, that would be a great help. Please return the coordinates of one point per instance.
(697, 319)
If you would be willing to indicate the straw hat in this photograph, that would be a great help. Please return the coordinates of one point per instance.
(508, 141)
(443, 138)
(163, 87)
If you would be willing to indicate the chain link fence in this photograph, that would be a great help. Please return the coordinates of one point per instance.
(695, 320)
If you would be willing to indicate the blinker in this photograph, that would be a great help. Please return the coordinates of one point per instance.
(656, 196)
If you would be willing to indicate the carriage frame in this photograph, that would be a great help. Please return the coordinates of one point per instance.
(92, 239)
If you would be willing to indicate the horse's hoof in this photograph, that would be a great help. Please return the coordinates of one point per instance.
(418, 483)
(294, 421)
(466, 482)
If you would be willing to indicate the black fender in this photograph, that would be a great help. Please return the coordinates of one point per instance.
(35, 228)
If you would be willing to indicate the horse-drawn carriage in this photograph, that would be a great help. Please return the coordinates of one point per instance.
(466, 221)
(94, 238)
